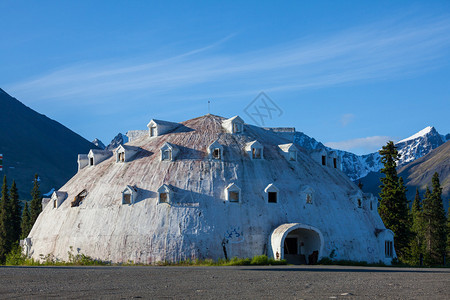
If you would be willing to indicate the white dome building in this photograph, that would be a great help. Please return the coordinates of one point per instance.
(210, 188)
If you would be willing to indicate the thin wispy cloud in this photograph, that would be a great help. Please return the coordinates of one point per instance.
(361, 145)
(347, 119)
(380, 51)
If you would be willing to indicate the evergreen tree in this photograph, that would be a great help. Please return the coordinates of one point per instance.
(434, 224)
(15, 209)
(393, 207)
(5, 231)
(36, 201)
(417, 229)
(26, 222)
(448, 233)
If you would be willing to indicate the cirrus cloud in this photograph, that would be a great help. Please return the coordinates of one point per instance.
(361, 145)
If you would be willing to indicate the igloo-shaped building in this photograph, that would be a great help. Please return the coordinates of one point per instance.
(211, 187)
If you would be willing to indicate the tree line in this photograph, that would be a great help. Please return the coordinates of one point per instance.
(16, 222)
(422, 232)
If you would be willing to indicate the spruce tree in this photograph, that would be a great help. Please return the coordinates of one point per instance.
(417, 229)
(15, 209)
(26, 222)
(5, 231)
(434, 224)
(393, 207)
(36, 201)
(448, 233)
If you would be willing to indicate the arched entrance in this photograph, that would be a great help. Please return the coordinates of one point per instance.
(297, 243)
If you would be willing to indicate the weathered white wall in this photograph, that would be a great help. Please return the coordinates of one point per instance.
(199, 218)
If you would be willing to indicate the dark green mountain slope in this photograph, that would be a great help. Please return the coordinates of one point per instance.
(32, 143)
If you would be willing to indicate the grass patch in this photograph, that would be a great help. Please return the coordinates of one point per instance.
(17, 258)
(259, 260)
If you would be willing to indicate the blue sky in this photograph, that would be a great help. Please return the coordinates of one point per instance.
(351, 74)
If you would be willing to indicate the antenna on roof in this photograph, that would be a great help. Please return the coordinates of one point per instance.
(209, 102)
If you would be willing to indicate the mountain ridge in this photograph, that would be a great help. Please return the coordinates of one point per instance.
(33, 143)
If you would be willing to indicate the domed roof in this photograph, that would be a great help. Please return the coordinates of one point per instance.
(199, 215)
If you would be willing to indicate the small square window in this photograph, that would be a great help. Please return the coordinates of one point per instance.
(272, 197)
(233, 196)
(166, 155)
(153, 131)
(237, 128)
(216, 153)
(256, 153)
(163, 198)
(126, 199)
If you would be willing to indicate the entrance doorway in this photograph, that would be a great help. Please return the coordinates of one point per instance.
(297, 243)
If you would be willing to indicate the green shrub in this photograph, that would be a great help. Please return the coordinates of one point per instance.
(260, 260)
(15, 257)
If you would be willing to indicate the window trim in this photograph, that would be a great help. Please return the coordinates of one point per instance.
(233, 188)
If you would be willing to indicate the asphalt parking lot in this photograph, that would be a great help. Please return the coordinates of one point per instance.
(262, 282)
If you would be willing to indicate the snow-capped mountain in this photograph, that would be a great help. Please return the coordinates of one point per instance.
(419, 144)
(98, 143)
(358, 166)
(118, 140)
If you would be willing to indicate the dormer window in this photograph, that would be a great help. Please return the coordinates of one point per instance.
(216, 153)
(158, 127)
(324, 160)
(255, 150)
(129, 195)
(168, 152)
(233, 193)
(97, 156)
(215, 150)
(58, 198)
(335, 162)
(233, 125)
(289, 151)
(125, 153)
(153, 131)
(164, 194)
(271, 192)
(237, 128)
(359, 203)
(167, 155)
(256, 153)
(293, 155)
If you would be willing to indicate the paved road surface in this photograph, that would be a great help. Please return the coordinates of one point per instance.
(272, 282)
